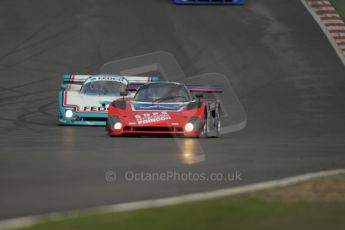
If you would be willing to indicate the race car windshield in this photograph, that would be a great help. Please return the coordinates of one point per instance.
(163, 93)
(103, 88)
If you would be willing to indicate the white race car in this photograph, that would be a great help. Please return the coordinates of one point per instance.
(84, 99)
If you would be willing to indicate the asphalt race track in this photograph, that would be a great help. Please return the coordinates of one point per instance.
(284, 71)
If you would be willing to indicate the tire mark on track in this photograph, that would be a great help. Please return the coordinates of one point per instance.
(45, 49)
(23, 120)
(24, 94)
(21, 45)
(12, 89)
(30, 100)
(18, 48)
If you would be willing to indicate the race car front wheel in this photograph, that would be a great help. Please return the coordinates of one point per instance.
(204, 130)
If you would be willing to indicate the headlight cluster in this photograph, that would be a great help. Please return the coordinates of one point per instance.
(189, 127)
(69, 113)
(118, 125)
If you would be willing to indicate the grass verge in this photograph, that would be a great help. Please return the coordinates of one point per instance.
(316, 204)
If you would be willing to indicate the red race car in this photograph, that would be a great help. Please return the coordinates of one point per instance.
(166, 108)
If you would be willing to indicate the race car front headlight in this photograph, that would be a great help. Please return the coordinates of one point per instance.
(118, 125)
(68, 113)
(189, 127)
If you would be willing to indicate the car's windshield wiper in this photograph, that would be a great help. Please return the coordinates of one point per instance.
(167, 98)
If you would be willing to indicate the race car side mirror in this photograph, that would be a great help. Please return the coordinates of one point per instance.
(123, 94)
(199, 96)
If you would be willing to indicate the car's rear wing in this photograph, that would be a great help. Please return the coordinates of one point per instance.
(191, 88)
(134, 87)
(73, 78)
(141, 80)
(205, 88)
(133, 81)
